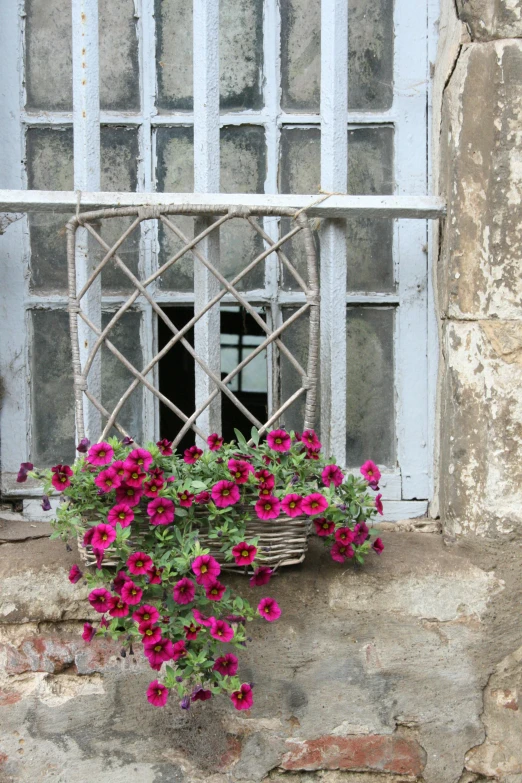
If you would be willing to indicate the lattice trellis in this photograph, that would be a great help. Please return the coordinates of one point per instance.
(164, 214)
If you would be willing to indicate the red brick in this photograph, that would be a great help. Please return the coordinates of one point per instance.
(379, 753)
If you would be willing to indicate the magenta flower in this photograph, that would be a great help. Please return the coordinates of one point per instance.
(154, 575)
(131, 496)
(178, 650)
(83, 446)
(206, 568)
(99, 555)
(191, 631)
(243, 699)
(107, 480)
(127, 441)
(161, 511)
(75, 574)
(201, 694)
(266, 479)
(119, 581)
(184, 591)
(100, 454)
(279, 440)
(292, 505)
(332, 475)
(203, 498)
(121, 514)
(146, 614)
(158, 652)
(191, 455)
(134, 477)
(244, 553)
(186, 499)
(312, 454)
(378, 546)
(165, 447)
(225, 493)
(119, 467)
(310, 439)
(215, 590)
(344, 535)
(88, 632)
(131, 593)
(269, 609)
(268, 508)
(378, 504)
(214, 441)
(240, 470)
(87, 536)
(118, 607)
(265, 492)
(370, 471)
(151, 488)
(202, 619)
(24, 469)
(221, 630)
(314, 504)
(103, 536)
(139, 563)
(323, 527)
(341, 552)
(139, 459)
(261, 576)
(46, 505)
(157, 694)
(150, 633)
(361, 533)
(99, 599)
(61, 478)
(226, 665)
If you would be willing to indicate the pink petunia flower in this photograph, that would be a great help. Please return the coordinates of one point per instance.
(131, 496)
(341, 552)
(139, 459)
(131, 593)
(226, 665)
(243, 699)
(178, 650)
(378, 546)
(292, 505)
(203, 498)
(134, 477)
(332, 475)
(244, 553)
(206, 568)
(99, 599)
(266, 479)
(119, 581)
(361, 533)
(118, 607)
(75, 574)
(221, 630)
(279, 440)
(83, 446)
(265, 492)
(184, 591)
(214, 441)
(269, 609)
(310, 439)
(186, 499)
(159, 651)
(139, 563)
(370, 471)
(378, 504)
(88, 632)
(324, 527)
(201, 694)
(100, 454)
(261, 576)
(344, 535)
(151, 488)
(119, 467)
(146, 614)
(154, 575)
(165, 447)
(61, 477)
(24, 469)
(157, 473)
(225, 493)
(312, 454)
(157, 694)
(87, 536)
(107, 480)
(161, 511)
(240, 470)
(191, 455)
(215, 590)
(268, 508)
(103, 536)
(191, 631)
(202, 619)
(150, 633)
(121, 514)
(99, 554)
(314, 504)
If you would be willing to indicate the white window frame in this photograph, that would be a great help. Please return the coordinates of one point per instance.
(409, 487)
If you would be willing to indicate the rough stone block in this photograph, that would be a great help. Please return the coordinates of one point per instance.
(489, 19)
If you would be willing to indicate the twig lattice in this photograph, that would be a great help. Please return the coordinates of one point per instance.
(91, 220)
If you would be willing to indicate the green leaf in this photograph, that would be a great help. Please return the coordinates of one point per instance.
(241, 440)
(255, 435)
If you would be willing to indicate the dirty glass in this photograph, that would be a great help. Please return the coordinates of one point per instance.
(116, 378)
(48, 59)
(240, 54)
(50, 167)
(370, 392)
(370, 55)
(296, 339)
(370, 171)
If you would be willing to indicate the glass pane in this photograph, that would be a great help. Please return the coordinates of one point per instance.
(370, 55)
(296, 339)
(48, 59)
(370, 171)
(52, 395)
(370, 394)
(240, 61)
(50, 167)
(116, 378)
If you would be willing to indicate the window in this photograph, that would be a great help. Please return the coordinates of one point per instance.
(377, 352)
